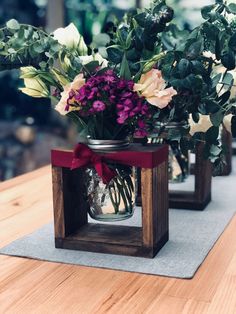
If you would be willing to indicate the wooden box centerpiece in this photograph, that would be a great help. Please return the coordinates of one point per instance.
(72, 229)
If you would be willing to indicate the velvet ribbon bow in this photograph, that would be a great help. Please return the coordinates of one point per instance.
(83, 156)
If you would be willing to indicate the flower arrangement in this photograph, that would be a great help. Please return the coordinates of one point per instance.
(151, 74)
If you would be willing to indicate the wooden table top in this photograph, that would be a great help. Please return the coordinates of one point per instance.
(31, 286)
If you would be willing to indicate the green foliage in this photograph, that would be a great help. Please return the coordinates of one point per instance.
(138, 39)
(24, 45)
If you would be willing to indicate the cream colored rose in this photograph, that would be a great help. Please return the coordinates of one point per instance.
(34, 87)
(96, 57)
(152, 87)
(202, 125)
(71, 38)
(77, 83)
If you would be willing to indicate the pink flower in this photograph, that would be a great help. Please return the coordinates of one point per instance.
(99, 106)
(62, 107)
(152, 87)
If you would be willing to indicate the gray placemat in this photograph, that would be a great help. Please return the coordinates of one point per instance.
(192, 235)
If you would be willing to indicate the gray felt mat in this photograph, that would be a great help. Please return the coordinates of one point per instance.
(192, 235)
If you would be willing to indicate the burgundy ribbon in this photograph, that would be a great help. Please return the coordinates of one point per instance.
(84, 156)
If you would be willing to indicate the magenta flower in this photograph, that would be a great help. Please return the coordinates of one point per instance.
(99, 106)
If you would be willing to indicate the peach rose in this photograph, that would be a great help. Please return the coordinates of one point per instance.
(77, 83)
(152, 87)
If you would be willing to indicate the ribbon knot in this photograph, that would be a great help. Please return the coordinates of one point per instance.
(83, 156)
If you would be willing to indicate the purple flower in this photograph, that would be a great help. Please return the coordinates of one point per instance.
(99, 106)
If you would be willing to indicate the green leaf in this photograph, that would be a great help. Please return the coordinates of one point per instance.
(217, 118)
(217, 48)
(124, 69)
(195, 117)
(194, 50)
(114, 54)
(228, 60)
(232, 41)
(215, 150)
(224, 97)
(210, 30)
(141, 19)
(228, 80)
(216, 80)
(206, 10)
(13, 24)
(198, 67)
(91, 66)
(211, 106)
(37, 47)
(184, 67)
(212, 135)
(232, 8)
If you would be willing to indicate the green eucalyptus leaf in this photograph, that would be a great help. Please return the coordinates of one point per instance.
(212, 135)
(206, 10)
(192, 82)
(218, 48)
(211, 106)
(232, 8)
(217, 118)
(194, 50)
(216, 80)
(232, 42)
(228, 60)
(224, 97)
(215, 150)
(210, 30)
(198, 67)
(195, 117)
(184, 67)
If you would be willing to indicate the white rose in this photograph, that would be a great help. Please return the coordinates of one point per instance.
(71, 38)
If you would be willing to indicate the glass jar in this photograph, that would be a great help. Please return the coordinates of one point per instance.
(179, 164)
(113, 201)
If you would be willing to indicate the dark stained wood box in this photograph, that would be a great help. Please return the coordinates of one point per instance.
(192, 200)
(72, 230)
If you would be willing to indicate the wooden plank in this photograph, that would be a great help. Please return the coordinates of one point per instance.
(74, 199)
(200, 198)
(103, 233)
(155, 222)
(203, 176)
(58, 202)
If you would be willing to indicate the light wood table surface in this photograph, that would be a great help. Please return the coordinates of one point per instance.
(31, 286)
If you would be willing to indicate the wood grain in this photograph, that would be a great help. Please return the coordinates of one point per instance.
(72, 230)
(31, 286)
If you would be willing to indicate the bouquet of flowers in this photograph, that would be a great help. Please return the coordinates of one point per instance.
(152, 74)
